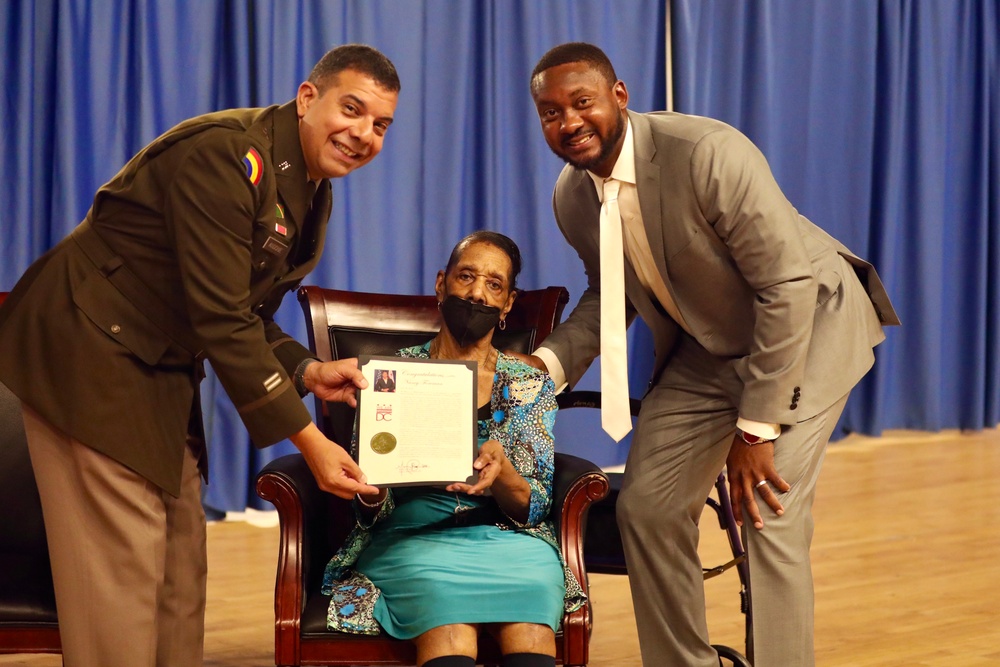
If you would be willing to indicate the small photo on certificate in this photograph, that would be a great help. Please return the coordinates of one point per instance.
(417, 421)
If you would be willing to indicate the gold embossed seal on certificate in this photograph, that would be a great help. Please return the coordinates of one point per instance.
(383, 443)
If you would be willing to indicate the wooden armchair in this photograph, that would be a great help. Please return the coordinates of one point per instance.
(27, 601)
(313, 523)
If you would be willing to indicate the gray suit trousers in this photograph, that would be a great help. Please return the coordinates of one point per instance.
(680, 445)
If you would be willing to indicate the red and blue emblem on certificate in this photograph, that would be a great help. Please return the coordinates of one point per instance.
(254, 165)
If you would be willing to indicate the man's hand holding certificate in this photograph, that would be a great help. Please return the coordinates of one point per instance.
(419, 427)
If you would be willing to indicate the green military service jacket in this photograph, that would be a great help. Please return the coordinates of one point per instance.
(184, 256)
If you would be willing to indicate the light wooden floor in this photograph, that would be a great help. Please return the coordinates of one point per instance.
(904, 557)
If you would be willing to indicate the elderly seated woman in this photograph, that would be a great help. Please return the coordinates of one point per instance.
(436, 565)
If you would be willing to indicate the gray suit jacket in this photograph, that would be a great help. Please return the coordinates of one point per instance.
(756, 282)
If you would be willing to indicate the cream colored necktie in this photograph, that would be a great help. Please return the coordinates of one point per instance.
(616, 418)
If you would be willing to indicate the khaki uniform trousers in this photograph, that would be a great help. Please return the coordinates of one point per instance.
(128, 559)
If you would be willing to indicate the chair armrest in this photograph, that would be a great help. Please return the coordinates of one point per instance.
(303, 508)
(568, 470)
(289, 481)
(577, 484)
(283, 483)
(308, 519)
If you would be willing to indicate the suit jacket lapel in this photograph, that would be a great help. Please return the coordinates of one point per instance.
(667, 231)
(661, 237)
(315, 227)
(289, 165)
(309, 212)
(647, 181)
(589, 204)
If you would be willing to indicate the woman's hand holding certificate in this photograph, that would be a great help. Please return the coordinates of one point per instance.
(488, 464)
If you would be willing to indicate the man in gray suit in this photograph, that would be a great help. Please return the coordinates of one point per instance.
(762, 322)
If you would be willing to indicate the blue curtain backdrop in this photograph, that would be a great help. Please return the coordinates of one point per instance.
(86, 84)
(881, 121)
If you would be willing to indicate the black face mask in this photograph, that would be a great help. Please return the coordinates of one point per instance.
(468, 322)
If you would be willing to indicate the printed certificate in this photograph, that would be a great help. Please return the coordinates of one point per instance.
(417, 421)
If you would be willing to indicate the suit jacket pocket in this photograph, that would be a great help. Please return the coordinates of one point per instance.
(828, 280)
(111, 312)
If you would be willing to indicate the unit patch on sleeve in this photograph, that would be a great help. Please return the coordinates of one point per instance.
(254, 166)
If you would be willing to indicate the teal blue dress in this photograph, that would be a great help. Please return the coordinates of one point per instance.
(432, 569)
(432, 558)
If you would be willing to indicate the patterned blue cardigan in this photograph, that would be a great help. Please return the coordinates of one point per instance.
(523, 408)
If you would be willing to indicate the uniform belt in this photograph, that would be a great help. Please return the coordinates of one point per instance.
(113, 267)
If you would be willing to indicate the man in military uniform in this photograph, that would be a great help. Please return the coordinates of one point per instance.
(184, 256)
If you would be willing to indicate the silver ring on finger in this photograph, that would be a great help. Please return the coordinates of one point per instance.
(760, 484)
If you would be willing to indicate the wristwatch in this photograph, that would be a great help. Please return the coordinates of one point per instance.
(298, 377)
(752, 439)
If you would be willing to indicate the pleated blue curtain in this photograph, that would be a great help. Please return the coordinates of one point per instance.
(88, 83)
(881, 121)
(85, 85)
